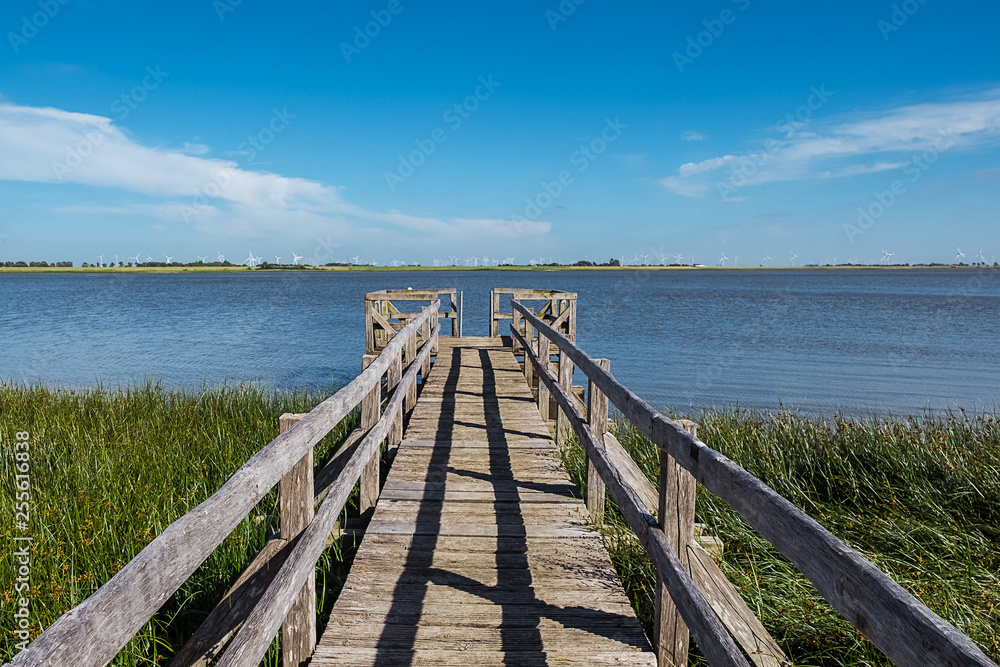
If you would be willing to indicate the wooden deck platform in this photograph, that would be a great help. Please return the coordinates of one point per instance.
(478, 552)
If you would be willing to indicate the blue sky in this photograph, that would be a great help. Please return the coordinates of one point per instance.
(192, 128)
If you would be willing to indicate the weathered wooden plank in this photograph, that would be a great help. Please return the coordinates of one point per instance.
(371, 406)
(206, 643)
(733, 610)
(597, 412)
(426, 658)
(676, 520)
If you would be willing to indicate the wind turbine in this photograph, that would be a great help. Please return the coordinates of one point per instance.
(357, 258)
(980, 256)
(220, 258)
(277, 260)
(249, 261)
(766, 257)
(295, 258)
(169, 258)
(100, 260)
(886, 256)
(679, 257)
(793, 258)
(736, 260)
(136, 258)
(644, 259)
(959, 254)
(149, 258)
(203, 259)
(723, 259)
(258, 259)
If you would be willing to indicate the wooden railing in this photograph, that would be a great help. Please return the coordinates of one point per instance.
(276, 591)
(558, 311)
(383, 318)
(893, 620)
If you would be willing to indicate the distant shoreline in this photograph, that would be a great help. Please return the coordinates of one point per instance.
(501, 269)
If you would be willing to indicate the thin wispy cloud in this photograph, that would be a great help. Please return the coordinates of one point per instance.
(49, 145)
(693, 135)
(862, 145)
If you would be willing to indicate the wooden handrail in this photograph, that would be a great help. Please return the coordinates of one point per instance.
(252, 641)
(896, 622)
(93, 632)
(711, 635)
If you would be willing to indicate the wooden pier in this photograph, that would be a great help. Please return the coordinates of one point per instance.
(478, 549)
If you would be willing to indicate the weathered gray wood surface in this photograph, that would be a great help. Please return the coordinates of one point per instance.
(721, 594)
(93, 632)
(891, 618)
(712, 637)
(298, 631)
(479, 552)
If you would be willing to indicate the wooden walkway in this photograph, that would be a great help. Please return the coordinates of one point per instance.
(478, 552)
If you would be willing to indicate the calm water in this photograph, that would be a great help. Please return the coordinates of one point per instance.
(898, 342)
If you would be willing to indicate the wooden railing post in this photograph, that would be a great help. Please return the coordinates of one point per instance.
(563, 427)
(529, 369)
(436, 319)
(543, 391)
(597, 417)
(393, 376)
(676, 516)
(411, 389)
(298, 632)
(515, 343)
(425, 333)
(371, 407)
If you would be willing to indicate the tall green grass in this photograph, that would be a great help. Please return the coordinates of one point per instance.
(919, 498)
(110, 469)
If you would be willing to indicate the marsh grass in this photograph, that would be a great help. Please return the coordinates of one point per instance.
(918, 497)
(110, 469)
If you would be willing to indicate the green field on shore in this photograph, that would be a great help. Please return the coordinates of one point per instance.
(111, 469)
(446, 269)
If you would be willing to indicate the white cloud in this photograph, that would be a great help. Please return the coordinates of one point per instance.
(55, 146)
(693, 135)
(849, 147)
